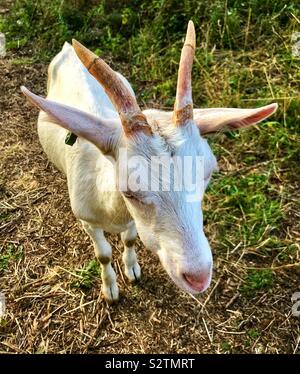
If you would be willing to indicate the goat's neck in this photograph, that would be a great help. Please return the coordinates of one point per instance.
(110, 199)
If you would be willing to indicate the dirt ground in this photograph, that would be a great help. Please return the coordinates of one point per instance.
(46, 314)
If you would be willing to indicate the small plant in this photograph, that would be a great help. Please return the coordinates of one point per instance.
(253, 334)
(4, 217)
(225, 346)
(8, 254)
(257, 280)
(87, 275)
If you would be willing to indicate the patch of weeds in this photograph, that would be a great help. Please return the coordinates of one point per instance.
(136, 292)
(257, 280)
(248, 205)
(87, 275)
(253, 334)
(289, 252)
(250, 159)
(9, 254)
(5, 217)
(225, 346)
(278, 140)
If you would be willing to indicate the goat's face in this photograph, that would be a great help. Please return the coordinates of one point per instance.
(168, 215)
(166, 178)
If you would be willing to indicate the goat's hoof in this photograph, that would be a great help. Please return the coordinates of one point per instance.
(111, 293)
(133, 273)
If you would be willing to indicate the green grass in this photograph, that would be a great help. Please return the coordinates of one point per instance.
(244, 47)
(5, 217)
(246, 207)
(253, 334)
(8, 254)
(257, 280)
(148, 35)
(225, 346)
(87, 275)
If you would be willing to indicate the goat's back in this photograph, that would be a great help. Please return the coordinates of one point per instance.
(88, 171)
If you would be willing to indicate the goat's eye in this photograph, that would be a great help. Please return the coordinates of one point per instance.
(130, 196)
(134, 199)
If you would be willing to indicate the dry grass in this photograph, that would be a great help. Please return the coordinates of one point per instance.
(45, 247)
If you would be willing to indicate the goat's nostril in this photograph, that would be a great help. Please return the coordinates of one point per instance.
(199, 282)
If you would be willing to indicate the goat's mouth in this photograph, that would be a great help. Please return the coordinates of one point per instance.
(195, 285)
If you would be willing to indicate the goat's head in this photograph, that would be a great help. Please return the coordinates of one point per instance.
(169, 220)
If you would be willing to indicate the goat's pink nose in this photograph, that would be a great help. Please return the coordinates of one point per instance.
(199, 282)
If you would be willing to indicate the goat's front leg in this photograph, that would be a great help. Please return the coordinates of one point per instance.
(131, 267)
(103, 252)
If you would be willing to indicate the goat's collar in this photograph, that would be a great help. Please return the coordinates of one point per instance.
(71, 138)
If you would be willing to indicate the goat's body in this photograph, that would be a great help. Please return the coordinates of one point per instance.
(90, 175)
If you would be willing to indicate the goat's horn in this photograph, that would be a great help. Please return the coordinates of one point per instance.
(132, 118)
(183, 108)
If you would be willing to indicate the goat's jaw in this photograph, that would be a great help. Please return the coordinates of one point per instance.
(192, 275)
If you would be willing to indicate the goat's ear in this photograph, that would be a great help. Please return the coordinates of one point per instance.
(219, 119)
(104, 135)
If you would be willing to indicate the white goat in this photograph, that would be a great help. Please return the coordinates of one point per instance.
(106, 118)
